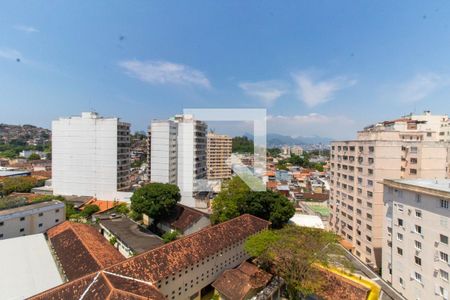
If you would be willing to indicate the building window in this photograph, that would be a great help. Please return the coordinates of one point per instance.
(418, 214)
(56, 210)
(40, 224)
(444, 204)
(399, 236)
(418, 277)
(400, 222)
(22, 219)
(418, 229)
(443, 256)
(2, 223)
(413, 171)
(401, 281)
(443, 274)
(418, 260)
(41, 214)
(56, 220)
(418, 245)
(399, 251)
(444, 239)
(22, 229)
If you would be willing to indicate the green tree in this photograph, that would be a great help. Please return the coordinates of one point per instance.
(17, 184)
(170, 236)
(225, 204)
(89, 210)
(236, 199)
(122, 208)
(34, 156)
(113, 241)
(156, 200)
(294, 253)
(242, 144)
(268, 205)
(273, 152)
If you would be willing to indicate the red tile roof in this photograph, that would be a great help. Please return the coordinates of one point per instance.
(338, 287)
(147, 268)
(81, 249)
(104, 205)
(184, 217)
(237, 283)
(102, 286)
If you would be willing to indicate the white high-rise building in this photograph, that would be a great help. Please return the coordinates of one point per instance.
(416, 237)
(91, 156)
(177, 154)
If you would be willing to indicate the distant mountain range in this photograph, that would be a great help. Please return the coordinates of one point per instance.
(275, 139)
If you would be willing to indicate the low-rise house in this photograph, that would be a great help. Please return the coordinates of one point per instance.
(185, 220)
(181, 269)
(27, 267)
(12, 172)
(81, 250)
(130, 238)
(30, 218)
(241, 283)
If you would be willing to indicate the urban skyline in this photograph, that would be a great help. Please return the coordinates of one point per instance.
(310, 85)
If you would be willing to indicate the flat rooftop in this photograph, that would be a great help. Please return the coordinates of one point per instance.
(442, 185)
(11, 173)
(133, 235)
(433, 187)
(28, 207)
(28, 267)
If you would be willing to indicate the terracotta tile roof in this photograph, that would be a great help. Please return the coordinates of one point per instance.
(81, 249)
(338, 287)
(163, 261)
(238, 283)
(184, 217)
(102, 286)
(104, 205)
(271, 184)
(134, 277)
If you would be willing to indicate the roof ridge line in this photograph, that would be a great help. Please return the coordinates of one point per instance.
(187, 237)
(129, 278)
(89, 286)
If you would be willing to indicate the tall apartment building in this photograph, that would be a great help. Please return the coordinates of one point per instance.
(409, 147)
(90, 156)
(177, 154)
(218, 152)
(416, 237)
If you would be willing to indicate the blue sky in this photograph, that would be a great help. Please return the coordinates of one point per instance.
(319, 67)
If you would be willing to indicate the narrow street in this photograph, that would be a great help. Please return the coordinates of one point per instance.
(387, 292)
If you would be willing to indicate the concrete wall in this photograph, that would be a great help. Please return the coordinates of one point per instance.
(85, 156)
(434, 220)
(34, 221)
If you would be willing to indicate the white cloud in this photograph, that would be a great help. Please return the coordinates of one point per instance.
(420, 87)
(312, 124)
(164, 72)
(10, 54)
(313, 93)
(266, 91)
(27, 29)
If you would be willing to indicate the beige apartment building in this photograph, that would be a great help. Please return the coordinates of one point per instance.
(416, 237)
(31, 219)
(410, 147)
(217, 154)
